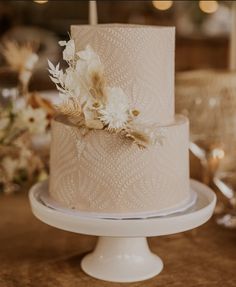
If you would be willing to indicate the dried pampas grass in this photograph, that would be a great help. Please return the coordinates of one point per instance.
(21, 58)
(17, 56)
(98, 83)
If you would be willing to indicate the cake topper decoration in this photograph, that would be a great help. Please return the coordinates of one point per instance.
(89, 103)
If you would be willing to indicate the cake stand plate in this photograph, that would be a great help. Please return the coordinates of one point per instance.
(122, 253)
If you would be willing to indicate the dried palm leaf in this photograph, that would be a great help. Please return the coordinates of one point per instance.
(72, 110)
(17, 55)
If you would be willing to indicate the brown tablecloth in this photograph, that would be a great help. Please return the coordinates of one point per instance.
(33, 254)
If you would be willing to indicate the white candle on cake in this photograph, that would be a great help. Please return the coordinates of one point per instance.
(93, 16)
(232, 52)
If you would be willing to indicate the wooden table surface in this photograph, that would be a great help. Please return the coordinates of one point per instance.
(33, 254)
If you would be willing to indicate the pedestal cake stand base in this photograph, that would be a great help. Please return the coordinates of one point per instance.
(122, 253)
(120, 259)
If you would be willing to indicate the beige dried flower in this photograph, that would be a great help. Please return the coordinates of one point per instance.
(96, 105)
(94, 124)
(70, 108)
(135, 113)
(139, 137)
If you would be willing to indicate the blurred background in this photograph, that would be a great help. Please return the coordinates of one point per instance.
(203, 27)
(205, 83)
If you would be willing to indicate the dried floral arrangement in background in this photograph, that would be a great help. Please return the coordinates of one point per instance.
(23, 156)
(21, 59)
(89, 103)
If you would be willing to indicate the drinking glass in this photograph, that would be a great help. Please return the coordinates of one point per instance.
(226, 183)
(208, 98)
(8, 86)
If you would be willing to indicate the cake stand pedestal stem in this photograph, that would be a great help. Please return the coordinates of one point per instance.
(122, 259)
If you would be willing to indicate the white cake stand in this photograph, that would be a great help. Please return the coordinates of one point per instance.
(122, 253)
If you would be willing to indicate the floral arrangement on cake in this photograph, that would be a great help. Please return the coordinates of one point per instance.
(90, 103)
(23, 119)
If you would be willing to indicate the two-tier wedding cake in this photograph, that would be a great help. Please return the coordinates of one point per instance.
(117, 147)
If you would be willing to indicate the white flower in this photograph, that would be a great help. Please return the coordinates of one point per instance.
(71, 80)
(88, 63)
(81, 67)
(69, 51)
(35, 120)
(115, 114)
(88, 54)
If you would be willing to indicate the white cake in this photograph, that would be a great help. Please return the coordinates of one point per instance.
(105, 173)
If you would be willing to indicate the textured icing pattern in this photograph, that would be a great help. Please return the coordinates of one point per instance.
(139, 59)
(103, 172)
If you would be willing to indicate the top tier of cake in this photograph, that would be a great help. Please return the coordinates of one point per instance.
(138, 59)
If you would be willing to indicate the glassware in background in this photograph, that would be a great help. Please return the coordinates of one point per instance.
(208, 98)
(225, 181)
(8, 86)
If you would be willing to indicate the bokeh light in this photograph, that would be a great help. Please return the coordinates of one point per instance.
(208, 6)
(40, 1)
(162, 5)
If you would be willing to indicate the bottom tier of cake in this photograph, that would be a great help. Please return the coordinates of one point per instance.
(104, 173)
